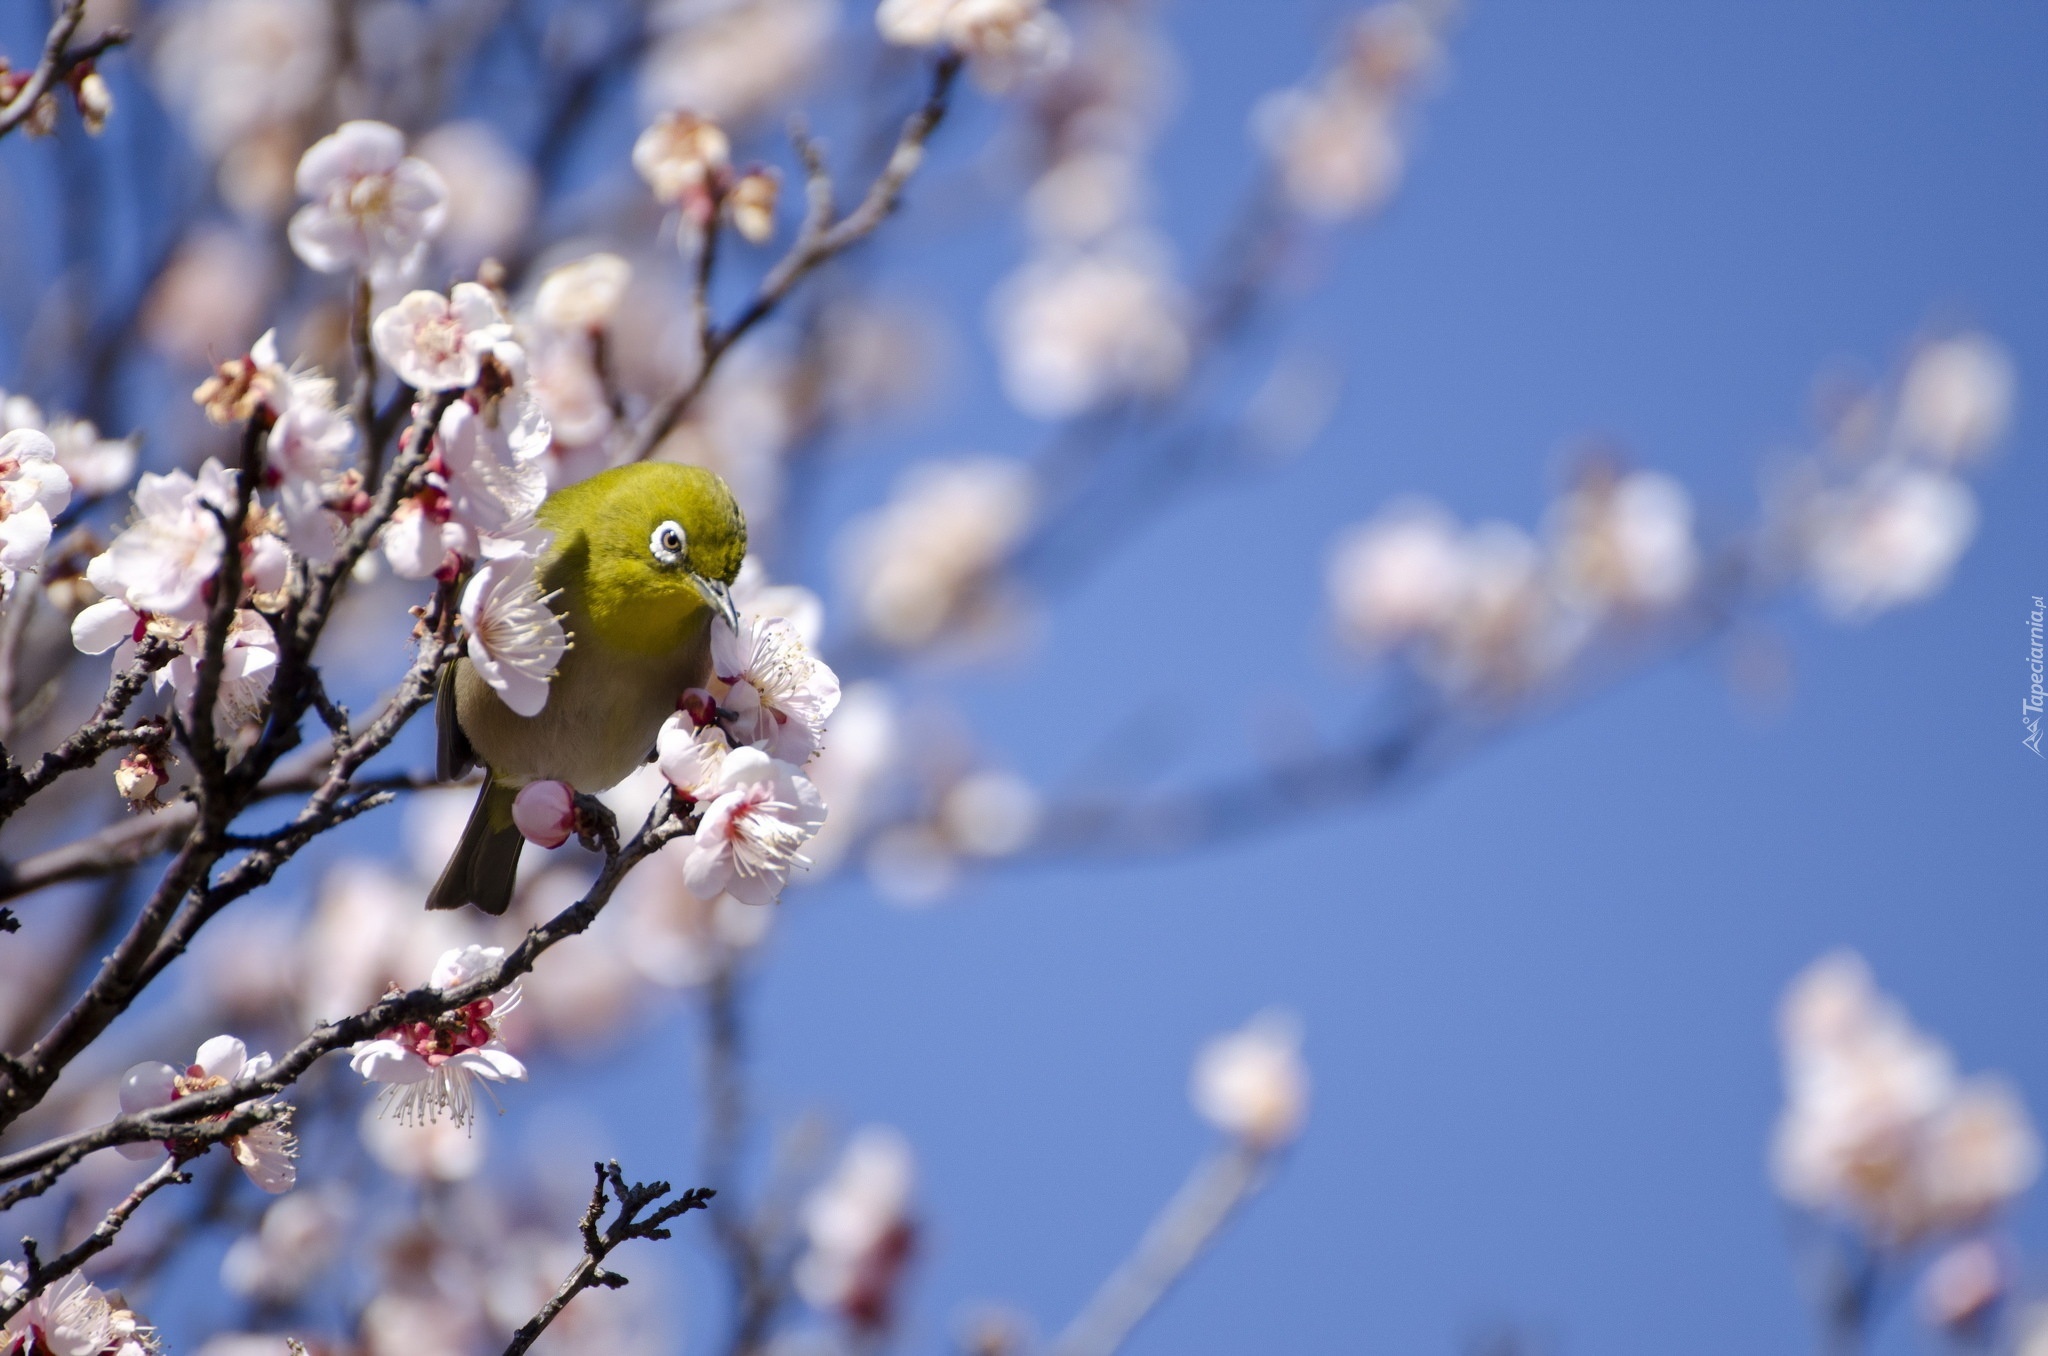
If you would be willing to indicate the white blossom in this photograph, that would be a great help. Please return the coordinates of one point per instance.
(1892, 539)
(69, 1318)
(241, 67)
(1076, 329)
(780, 695)
(690, 758)
(299, 1237)
(433, 1065)
(1252, 1084)
(857, 1228)
(683, 158)
(1877, 1127)
(1957, 397)
(1008, 41)
(515, 640)
(371, 207)
(1627, 540)
(932, 553)
(761, 813)
(33, 488)
(734, 61)
(1398, 577)
(438, 343)
(264, 1153)
(163, 560)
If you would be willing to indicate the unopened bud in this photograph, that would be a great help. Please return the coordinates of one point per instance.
(545, 813)
(752, 204)
(95, 102)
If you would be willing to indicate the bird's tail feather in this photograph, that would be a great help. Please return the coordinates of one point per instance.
(486, 861)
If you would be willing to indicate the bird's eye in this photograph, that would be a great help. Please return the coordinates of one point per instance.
(668, 543)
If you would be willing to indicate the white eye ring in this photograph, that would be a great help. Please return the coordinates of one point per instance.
(669, 542)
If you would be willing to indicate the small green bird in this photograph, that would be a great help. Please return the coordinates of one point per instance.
(642, 558)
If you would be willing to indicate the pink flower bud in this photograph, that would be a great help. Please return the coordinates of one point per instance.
(545, 812)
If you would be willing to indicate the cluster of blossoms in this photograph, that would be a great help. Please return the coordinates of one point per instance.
(1336, 146)
(33, 488)
(1884, 522)
(1006, 41)
(687, 162)
(265, 1153)
(87, 87)
(69, 1318)
(1493, 610)
(435, 1065)
(859, 1232)
(1878, 1130)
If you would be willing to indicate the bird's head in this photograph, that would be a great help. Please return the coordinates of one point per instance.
(652, 548)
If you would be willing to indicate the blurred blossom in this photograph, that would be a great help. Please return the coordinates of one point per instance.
(368, 926)
(755, 596)
(299, 1237)
(990, 814)
(1398, 577)
(1963, 1285)
(1626, 540)
(437, 1151)
(1007, 41)
(1891, 539)
(586, 992)
(491, 191)
(370, 207)
(732, 60)
(675, 939)
(1251, 1084)
(1957, 397)
(582, 295)
(210, 297)
(684, 159)
(751, 204)
(912, 865)
(1877, 1127)
(1086, 196)
(95, 465)
(1476, 607)
(1335, 144)
(400, 1323)
(932, 554)
(852, 772)
(859, 1232)
(239, 66)
(1075, 330)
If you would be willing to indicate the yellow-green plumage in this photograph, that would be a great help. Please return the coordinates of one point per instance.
(639, 635)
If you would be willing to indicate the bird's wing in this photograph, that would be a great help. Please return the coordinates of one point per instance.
(453, 755)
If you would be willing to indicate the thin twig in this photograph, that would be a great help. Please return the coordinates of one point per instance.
(41, 1273)
(819, 241)
(1190, 1221)
(57, 62)
(598, 1245)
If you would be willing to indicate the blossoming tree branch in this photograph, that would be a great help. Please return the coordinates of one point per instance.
(548, 445)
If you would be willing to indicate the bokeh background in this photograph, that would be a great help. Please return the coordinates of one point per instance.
(1537, 983)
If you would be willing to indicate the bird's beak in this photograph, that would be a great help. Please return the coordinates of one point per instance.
(720, 597)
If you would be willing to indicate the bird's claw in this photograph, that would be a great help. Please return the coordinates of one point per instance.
(596, 827)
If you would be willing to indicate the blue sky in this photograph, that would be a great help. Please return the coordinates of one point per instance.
(1538, 990)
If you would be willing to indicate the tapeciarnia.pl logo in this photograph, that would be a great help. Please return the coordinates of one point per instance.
(2030, 709)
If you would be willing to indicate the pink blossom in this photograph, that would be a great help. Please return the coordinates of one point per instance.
(780, 694)
(515, 641)
(265, 1153)
(437, 343)
(545, 812)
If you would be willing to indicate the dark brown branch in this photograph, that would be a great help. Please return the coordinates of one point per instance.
(819, 241)
(598, 1244)
(41, 1273)
(49, 1160)
(102, 730)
